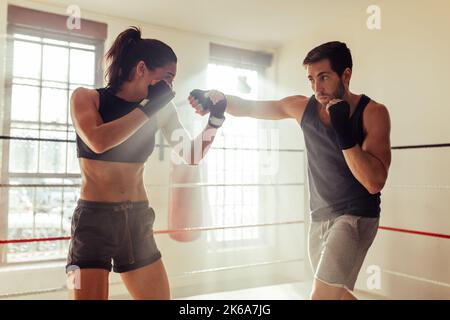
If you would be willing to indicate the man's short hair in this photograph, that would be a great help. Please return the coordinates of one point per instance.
(336, 52)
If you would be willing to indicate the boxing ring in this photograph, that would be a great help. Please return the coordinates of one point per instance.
(295, 223)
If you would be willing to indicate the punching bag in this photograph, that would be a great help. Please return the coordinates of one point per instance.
(186, 204)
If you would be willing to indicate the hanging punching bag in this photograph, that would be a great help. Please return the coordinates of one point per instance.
(186, 204)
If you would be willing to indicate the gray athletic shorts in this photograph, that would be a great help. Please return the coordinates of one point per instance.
(337, 248)
(118, 232)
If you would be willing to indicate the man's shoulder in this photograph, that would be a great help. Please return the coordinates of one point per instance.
(297, 101)
(375, 107)
(298, 98)
(375, 112)
(295, 106)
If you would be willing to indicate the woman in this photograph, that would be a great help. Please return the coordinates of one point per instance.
(116, 129)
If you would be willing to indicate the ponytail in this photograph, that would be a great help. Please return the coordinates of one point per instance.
(128, 49)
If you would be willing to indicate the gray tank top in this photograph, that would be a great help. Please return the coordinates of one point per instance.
(333, 189)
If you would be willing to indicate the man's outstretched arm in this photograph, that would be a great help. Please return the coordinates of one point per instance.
(289, 107)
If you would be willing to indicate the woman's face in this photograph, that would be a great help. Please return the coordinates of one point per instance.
(166, 73)
(145, 77)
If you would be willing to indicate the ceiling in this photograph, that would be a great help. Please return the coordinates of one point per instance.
(268, 23)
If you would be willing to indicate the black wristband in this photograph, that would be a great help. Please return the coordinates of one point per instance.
(159, 95)
(340, 120)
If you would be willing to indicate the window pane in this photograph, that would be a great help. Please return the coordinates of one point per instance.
(27, 81)
(30, 126)
(25, 103)
(54, 105)
(235, 81)
(54, 84)
(27, 59)
(49, 202)
(40, 212)
(53, 41)
(20, 218)
(234, 205)
(82, 66)
(48, 216)
(20, 200)
(52, 155)
(55, 63)
(23, 154)
(82, 46)
(70, 198)
(26, 37)
(42, 83)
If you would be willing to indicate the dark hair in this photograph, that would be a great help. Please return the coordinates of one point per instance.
(128, 49)
(336, 52)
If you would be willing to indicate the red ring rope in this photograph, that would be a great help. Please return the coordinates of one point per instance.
(429, 234)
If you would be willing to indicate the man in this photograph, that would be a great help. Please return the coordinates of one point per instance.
(348, 151)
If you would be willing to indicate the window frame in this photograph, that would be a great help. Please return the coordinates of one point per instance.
(262, 239)
(6, 176)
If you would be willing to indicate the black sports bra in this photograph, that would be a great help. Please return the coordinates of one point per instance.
(136, 148)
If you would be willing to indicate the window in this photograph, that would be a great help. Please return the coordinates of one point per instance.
(238, 203)
(45, 72)
(40, 172)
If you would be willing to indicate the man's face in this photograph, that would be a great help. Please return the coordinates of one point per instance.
(325, 83)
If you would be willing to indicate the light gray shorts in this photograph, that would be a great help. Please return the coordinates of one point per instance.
(337, 248)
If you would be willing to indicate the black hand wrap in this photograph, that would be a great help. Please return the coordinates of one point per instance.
(159, 95)
(340, 120)
(216, 111)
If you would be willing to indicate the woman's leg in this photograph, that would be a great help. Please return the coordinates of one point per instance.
(148, 283)
(90, 284)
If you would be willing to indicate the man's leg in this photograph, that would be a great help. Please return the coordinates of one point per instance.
(348, 296)
(338, 251)
(323, 291)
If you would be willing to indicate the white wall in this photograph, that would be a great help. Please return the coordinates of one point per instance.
(405, 66)
(193, 54)
(3, 13)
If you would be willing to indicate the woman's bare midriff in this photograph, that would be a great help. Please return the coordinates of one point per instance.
(105, 181)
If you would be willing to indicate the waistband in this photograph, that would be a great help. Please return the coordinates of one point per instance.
(115, 206)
